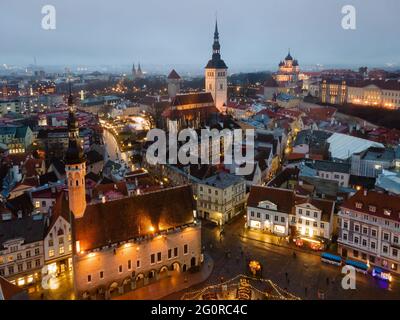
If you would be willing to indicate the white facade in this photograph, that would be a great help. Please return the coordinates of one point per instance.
(58, 246)
(21, 262)
(217, 84)
(310, 222)
(267, 218)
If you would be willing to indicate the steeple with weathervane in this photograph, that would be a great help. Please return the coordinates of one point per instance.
(216, 74)
(75, 164)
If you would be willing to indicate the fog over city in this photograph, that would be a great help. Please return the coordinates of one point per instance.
(254, 34)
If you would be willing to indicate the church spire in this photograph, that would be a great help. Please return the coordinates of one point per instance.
(70, 96)
(216, 45)
(216, 34)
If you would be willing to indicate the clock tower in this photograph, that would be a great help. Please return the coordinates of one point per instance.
(75, 165)
(216, 75)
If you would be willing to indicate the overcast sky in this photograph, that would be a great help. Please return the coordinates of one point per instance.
(179, 32)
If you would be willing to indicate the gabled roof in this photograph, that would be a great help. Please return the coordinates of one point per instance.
(326, 206)
(58, 212)
(382, 202)
(127, 218)
(30, 228)
(192, 98)
(173, 75)
(9, 291)
(284, 199)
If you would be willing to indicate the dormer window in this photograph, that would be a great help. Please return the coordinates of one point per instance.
(387, 212)
(359, 205)
(372, 208)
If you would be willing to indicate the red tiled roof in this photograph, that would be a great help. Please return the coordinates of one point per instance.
(110, 188)
(192, 98)
(174, 75)
(59, 211)
(8, 289)
(381, 201)
(127, 218)
(284, 199)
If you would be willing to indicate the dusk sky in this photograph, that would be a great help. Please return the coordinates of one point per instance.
(253, 33)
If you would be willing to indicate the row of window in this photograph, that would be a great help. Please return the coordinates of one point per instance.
(20, 267)
(366, 217)
(276, 217)
(373, 232)
(28, 254)
(172, 253)
(61, 250)
(372, 245)
(120, 270)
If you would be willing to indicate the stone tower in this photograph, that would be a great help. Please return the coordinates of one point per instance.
(216, 75)
(75, 165)
(174, 84)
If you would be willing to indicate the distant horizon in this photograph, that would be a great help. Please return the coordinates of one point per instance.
(182, 69)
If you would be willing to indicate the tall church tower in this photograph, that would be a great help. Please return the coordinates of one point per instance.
(216, 75)
(75, 165)
(133, 72)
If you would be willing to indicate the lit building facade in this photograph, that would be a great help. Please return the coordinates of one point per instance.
(221, 197)
(21, 249)
(123, 244)
(282, 212)
(369, 229)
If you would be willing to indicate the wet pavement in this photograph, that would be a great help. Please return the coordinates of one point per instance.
(304, 275)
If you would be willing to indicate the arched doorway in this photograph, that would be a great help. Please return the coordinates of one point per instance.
(113, 289)
(184, 268)
(163, 272)
(176, 266)
(193, 262)
(127, 284)
(152, 275)
(140, 280)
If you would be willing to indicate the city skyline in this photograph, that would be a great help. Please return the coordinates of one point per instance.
(139, 32)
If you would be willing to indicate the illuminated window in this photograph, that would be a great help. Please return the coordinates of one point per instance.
(61, 250)
(51, 253)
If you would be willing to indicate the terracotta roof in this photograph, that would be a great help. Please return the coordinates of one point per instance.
(110, 190)
(58, 212)
(192, 98)
(381, 201)
(284, 199)
(9, 291)
(173, 75)
(32, 166)
(131, 217)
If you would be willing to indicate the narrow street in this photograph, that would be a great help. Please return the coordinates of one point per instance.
(111, 149)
